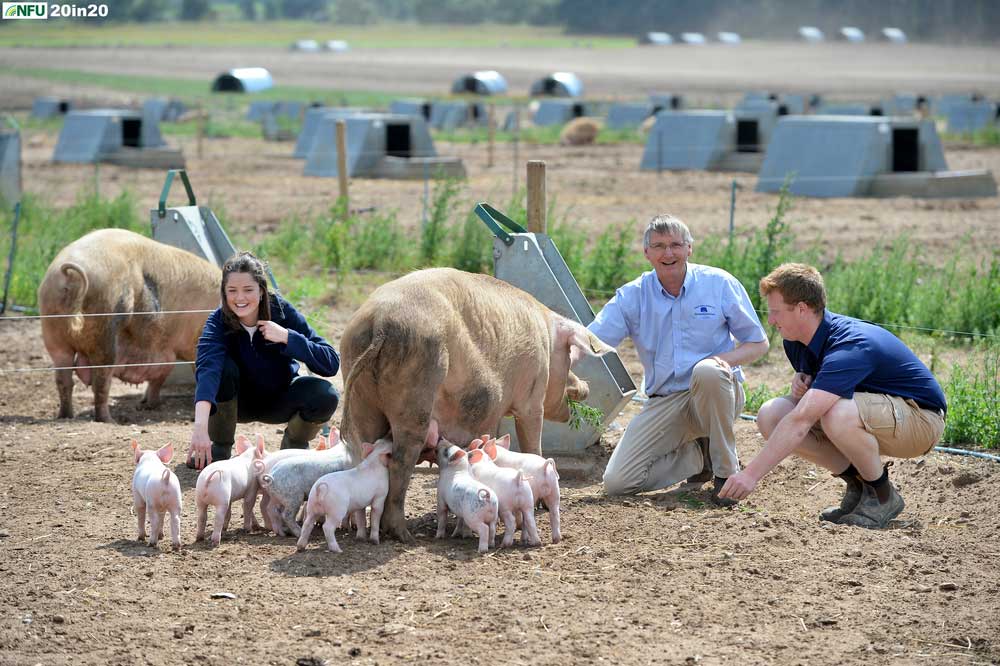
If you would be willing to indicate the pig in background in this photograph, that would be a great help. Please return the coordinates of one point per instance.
(121, 272)
(224, 482)
(156, 491)
(540, 472)
(349, 492)
(474, 504)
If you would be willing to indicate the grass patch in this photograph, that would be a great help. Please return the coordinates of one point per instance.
(43, 231)
(973, 393)
(281, 34)
(188, 90)
(988, 136)
(548, 135)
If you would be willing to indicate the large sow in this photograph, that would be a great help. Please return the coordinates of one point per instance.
(127, 275)
(458, 351)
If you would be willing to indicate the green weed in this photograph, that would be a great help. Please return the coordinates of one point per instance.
(973, 394)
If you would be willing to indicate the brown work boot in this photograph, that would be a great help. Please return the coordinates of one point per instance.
(852, 495)
(872, 514)
(717, 483)
(705, 474)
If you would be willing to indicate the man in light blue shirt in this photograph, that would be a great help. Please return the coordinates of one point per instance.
(684, 320)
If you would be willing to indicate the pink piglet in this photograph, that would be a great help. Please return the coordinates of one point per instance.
(156, 489)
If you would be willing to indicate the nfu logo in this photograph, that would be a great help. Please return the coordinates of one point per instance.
(25, 10)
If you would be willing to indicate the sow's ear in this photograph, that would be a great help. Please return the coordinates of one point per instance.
(581, 341)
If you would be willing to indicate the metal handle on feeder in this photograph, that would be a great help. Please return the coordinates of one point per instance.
(496, 221)
(162, 210)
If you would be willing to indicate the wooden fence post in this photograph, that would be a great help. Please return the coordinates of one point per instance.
(536, 197)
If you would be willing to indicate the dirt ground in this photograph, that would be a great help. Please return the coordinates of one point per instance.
(660, 578)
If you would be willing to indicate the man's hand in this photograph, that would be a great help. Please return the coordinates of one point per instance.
(738, 486)
(800, 384)
(201, 447)
(273, 332)
(721, 362)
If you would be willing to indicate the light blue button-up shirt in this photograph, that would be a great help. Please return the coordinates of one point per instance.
(672, 334)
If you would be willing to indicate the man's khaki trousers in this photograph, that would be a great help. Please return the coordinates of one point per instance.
(658, 449)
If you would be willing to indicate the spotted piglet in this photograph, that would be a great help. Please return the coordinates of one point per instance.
(471, 500)
(267, 463)
(224, 482)
(156, 489)
(514, 497)
(540, 472)
(350, 492)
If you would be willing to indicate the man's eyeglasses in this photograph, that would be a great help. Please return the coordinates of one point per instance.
(673, 247)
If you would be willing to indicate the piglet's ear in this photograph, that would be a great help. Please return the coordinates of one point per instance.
(242, 444)
(366, 449)
(475, 456)
(322, 443)
(334, 438)
(259, 453)
(136, 451)
(491, 449)
(475, 444)
(504, 441)
(165, 453)
(457, 455)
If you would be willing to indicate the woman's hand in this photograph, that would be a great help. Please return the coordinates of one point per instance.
(273, 332)
(200, 451)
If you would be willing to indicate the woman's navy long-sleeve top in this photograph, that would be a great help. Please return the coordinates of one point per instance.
(267, 367)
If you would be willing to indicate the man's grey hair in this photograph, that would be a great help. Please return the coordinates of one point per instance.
(667, 224)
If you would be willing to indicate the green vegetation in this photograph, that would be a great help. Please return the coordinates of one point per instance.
(988, 136)
(190, 90)
(282, 33)
(893, 286)
(757, 396)
(538, 135)
(43, 231)
(973, 393)
(581, 414)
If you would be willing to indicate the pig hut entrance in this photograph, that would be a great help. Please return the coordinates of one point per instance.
(747, 136)
(905, 149)
(132, 132)
(397, 140)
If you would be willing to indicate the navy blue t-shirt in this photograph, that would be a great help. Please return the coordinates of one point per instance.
(847, 355)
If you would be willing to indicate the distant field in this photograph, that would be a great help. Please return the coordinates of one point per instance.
(58, 33)
(189, 90)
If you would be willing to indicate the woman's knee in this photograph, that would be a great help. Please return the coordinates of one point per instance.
(319, 398)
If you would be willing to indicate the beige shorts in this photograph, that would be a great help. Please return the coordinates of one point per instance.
(903, 429)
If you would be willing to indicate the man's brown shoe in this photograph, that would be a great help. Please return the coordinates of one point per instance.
(852, 495)
(872, 514)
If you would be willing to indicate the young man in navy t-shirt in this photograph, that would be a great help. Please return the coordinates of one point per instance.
(858, 393)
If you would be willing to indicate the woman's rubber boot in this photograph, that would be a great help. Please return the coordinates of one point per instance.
(299, 432)
(222, 429)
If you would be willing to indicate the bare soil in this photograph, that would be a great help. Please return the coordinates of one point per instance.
(660, 578)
